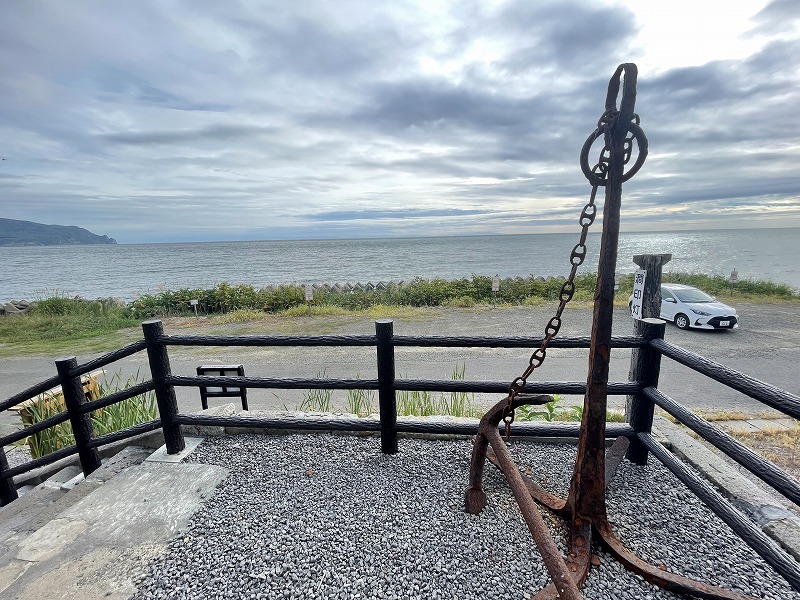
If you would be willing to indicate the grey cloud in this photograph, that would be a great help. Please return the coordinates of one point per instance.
(567, 37)
(212, 133)
(778, 16)
(430, 103)
(361, 215)
(298, 119)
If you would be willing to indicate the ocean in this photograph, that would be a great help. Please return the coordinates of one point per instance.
(129, 270)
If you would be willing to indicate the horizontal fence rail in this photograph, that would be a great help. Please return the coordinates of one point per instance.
(107, 359)
(774, 397)
(55, 381)
(411, 385)
(398, 340)
(33, 429)
(116, 397)
(404, 425)
(41, 462)
(124, 434)
(31, 392)
(756, 464)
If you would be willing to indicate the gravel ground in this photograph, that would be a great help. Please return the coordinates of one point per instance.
(324, 516)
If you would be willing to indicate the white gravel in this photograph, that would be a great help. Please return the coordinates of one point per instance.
(326, 516)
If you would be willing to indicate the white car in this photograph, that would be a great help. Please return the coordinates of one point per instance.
(687, 307)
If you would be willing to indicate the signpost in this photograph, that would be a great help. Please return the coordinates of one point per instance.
(193, 302)
(495, 288)
(638, 293)
(309, 296)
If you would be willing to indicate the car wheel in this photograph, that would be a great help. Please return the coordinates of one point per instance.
(682, 321)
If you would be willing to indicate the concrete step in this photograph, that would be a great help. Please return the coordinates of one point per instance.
(95, 538)
(39, 504)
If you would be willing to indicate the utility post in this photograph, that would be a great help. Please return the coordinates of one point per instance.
(645, 362)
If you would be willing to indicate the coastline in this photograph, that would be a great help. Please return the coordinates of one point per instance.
(130, 270)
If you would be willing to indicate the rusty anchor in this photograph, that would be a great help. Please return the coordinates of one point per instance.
(585, 505)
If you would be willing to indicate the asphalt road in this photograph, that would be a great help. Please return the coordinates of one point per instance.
(766, 346)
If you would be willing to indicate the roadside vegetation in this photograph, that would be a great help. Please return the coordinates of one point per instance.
(466, 292)
(59, 323)
(116, 417)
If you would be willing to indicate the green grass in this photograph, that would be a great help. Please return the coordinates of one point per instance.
(362, 402)
(59, 323)
(426, 404)
(416, 403)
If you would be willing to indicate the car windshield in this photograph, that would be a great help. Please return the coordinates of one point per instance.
(692, 295)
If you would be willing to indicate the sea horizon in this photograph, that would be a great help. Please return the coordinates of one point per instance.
(128, 271)
(576, 231)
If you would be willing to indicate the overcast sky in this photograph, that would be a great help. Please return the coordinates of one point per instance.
(158, 121)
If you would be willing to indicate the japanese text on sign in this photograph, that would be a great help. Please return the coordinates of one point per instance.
(638, 293)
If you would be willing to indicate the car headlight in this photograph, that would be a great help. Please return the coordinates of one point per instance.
(700, 312)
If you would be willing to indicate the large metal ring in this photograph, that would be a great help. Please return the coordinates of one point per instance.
(641, 142)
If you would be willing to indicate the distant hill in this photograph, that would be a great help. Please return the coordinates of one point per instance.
(27, 233)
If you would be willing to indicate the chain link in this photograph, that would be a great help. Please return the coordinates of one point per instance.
(576, 258)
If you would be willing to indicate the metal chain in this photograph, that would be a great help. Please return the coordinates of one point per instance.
(576, 258)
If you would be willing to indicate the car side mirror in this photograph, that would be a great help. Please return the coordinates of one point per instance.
(670, 300)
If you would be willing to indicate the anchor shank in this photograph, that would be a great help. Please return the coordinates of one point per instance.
(587, 488)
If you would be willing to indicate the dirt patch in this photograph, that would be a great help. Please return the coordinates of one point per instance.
(781, 446)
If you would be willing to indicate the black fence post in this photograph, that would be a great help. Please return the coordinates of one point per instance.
(81, 424)
(8, 492)
(645, 369)
(384, 330)
(646, 362)
(165, 394)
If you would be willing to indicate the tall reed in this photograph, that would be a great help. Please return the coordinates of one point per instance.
(317, 400)
(359, 402)
(139, 409)
(426, 404)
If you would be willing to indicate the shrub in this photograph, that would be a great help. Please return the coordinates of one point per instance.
(282, 297)
(465, 292)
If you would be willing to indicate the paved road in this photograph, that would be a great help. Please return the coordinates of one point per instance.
(766, 346)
